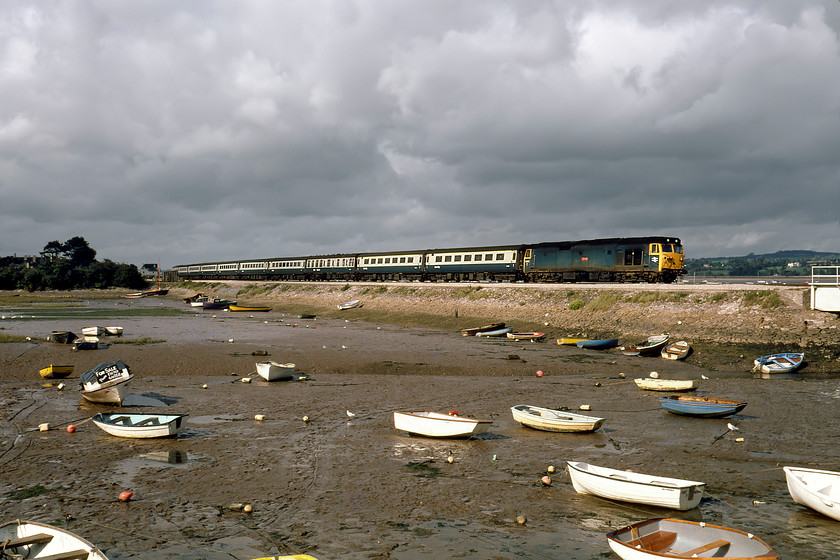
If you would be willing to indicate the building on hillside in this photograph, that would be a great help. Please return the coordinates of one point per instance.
(149, 270)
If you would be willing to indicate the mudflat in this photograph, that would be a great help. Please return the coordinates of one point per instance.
(356, 488)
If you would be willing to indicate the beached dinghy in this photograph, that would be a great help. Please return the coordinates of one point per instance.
(350, 304)
(701, 407)
(651, 384)
(676, 350)
(598, 343)
(570, 341)
(140, 425)
(62, 337)
(436, 424)
(779, 363)
(551, 420)
(532, 336)
(30, 539)
(53, 371)
(650, 347)
(93, 331)
(106, 383)
(628, 486)
(113, 331)
(475, 330)
(677, 538)
(497, 332)
(86, 343)
(818, 490)
(246, 308)
(272, 371)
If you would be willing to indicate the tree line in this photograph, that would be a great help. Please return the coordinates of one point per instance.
(67, 266)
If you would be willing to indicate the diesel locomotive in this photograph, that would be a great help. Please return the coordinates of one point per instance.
(619, 259)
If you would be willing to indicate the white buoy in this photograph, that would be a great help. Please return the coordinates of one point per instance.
(550, 469)
(60, 386)
(43, 427)
(654, 375)
(585, 407)
(259, 417)
(246, 380)
(204, 386)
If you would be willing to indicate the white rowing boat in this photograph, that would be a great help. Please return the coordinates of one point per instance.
(436, 424)
(30, 539)
(272, 371)
(140, 425)
(628, 486)
(106, 383)
(551, 420)
(651, 384)
(818, 490)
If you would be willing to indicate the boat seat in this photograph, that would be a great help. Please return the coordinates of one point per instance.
(71, 555)
(148, 421)
(706, 547)
(656, 541)
(38, 538)
(119, 419)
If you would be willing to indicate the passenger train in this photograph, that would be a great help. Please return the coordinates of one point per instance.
(629, 259)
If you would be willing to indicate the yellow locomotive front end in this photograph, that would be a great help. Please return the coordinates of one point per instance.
(669, 258)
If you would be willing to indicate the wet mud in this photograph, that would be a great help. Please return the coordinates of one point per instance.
(355, 488)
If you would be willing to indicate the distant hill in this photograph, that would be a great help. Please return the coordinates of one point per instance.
(780, 263)
(800, 255)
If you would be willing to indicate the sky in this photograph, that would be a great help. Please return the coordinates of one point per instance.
(190, 131)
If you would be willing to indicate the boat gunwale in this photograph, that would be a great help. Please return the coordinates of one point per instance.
(659, 482)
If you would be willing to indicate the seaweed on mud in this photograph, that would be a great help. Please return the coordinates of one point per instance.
(423, 469)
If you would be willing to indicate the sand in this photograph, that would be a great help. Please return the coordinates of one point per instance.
(336, 487)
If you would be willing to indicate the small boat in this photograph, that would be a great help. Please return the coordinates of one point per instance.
(199, 301)
(86, 343)
(676, 350)
(818, 490)
(53, 371)
(252, 309)
(570, 341)
(292, 557)
(651, 384)
(550, 420)
(106, 383)
(598, 344)
(350, 304)
(526, 335)
(30, 539)
(147, 293)
(677, 538)
(629, 486)
(650, 347)
(218, 303)
(475, 330)
(93, 331)
(62, 337)
(436, 424)
(140, 425)
(193, 298)
(779, 363)
(306, 316)
(113, 331)
(497, 332)
(272, 371)
(701, 407)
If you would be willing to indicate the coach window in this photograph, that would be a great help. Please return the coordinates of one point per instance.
(402, 260)
(387, 260)
(447, 258)
(500, 256)
(467, 258)
(411, 259)
(457, 258)
(438, 258)
(478, 257)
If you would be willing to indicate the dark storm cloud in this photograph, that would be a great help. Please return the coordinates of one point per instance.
(213, 130)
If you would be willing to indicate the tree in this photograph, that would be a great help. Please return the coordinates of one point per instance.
(52, 250)
(78, 251)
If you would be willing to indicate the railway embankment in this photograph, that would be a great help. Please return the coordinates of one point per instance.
(765, 315)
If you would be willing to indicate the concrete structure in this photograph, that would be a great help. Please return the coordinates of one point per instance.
(825, 288)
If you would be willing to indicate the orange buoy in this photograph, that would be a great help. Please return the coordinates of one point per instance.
(125, 496)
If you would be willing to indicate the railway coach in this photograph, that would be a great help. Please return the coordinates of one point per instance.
(618, 259)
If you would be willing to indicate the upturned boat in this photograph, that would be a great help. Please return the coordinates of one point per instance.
(651, 384)
(701, 407)
(475, 330)
(106, 383)
(660, 538)
(272, 371)
(140, 425)
(54, 371)
(33, 540)
(550, 420)
(436, 424)
(629, 486)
